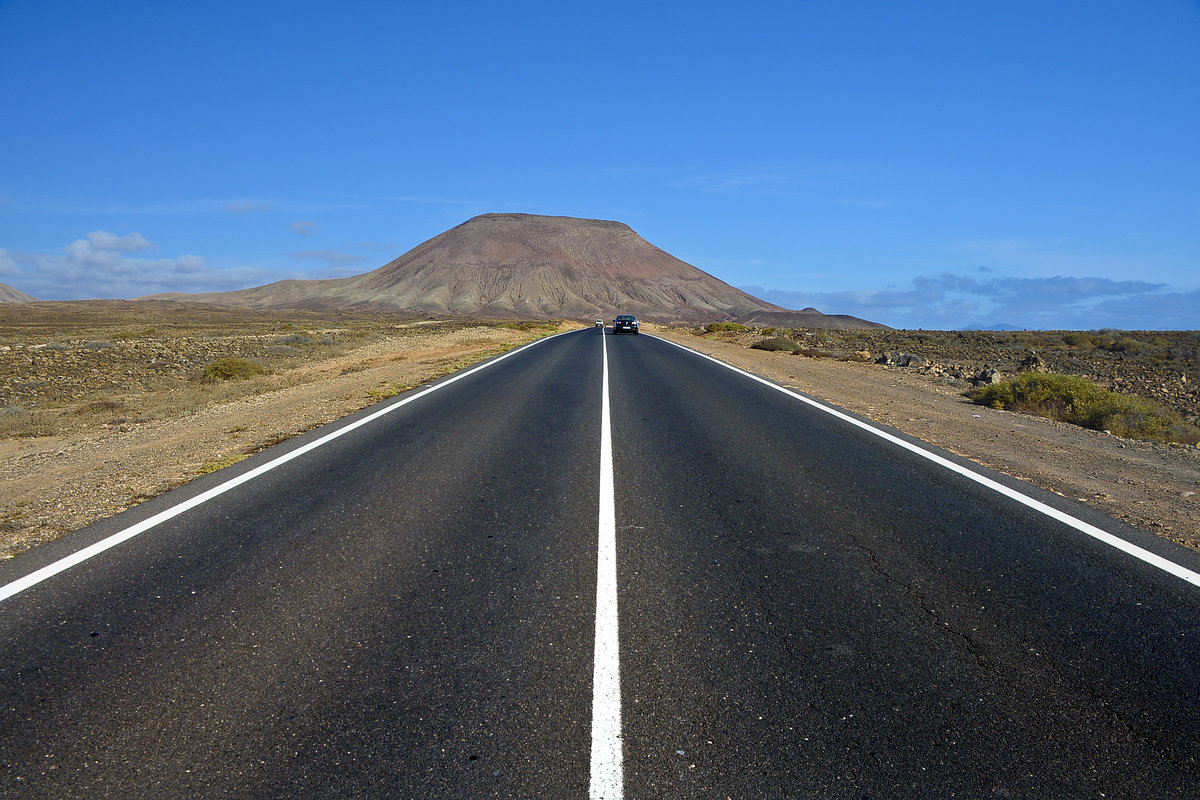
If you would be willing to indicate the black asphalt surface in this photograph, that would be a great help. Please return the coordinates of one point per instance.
(806, 611)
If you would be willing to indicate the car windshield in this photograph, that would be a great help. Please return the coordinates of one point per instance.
(625, 319)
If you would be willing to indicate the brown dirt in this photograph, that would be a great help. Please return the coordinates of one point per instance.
(1153, 486)
(55, 484)
(1160, 366)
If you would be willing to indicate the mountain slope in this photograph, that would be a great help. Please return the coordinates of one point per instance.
(525, 265)
(11, 294)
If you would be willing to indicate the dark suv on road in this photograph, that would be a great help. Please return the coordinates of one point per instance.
(625, 323)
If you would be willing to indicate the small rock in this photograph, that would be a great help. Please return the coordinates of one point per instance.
(1032, 363)
(987, 376)
(900, 360)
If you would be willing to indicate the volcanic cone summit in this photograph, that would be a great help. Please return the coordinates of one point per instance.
(525, 265)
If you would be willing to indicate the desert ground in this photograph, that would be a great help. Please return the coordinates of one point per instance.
(1150, 485)
(104, 405)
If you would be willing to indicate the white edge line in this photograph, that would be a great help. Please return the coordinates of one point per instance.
(1083, 527)
(607, 778)
(78, 557)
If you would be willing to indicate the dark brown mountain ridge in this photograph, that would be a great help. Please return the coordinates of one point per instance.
(531, 266)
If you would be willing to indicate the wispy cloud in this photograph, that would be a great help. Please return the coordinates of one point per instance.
(1031, 257)
(330, 256)
(8, 266)
(246, 207)
(778, 179)
(742, 180)
(304, 228)
(105, 264)
(335, 263)
(185, 207)
(102, 247)
(950, 301)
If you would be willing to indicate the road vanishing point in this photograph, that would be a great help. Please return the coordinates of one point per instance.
(602, 567)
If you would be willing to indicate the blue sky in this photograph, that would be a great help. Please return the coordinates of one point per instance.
(920, 164)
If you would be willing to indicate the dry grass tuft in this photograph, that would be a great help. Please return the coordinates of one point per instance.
(227, 369)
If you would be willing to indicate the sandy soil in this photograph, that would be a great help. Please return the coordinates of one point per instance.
(1155, 487)
(52, 485)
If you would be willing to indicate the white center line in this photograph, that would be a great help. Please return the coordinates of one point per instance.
(608, 782)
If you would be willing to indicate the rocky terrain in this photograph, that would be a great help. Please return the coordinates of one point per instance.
(525, 265)
(1162, 366)
(105, 404)
(55, 356)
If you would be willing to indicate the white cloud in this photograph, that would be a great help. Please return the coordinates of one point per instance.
(104, 248)
(304, 228)
(129, 243)
(949, 301)
(104, 265)
(7, 265)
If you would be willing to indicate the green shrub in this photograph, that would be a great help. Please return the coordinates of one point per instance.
(723, 327)
(100, 407)
(1134, 347)
(1079, 401)
(777, 343)
(290, 340)
(224, 369)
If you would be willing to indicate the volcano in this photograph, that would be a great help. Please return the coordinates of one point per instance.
(11, 294)
(530, 266)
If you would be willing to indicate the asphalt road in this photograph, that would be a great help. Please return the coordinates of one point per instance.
(408, 611)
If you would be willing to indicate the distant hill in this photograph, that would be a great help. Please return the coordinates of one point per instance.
(525, 265)
(806, 318)
(996, 326)
(10, 294)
